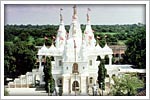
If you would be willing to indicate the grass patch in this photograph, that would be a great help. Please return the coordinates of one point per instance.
(122, 42)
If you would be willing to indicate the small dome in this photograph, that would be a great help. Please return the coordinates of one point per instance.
(98, 47)
(107, 49)
(52, 47)
(53, 50)
(44, 49)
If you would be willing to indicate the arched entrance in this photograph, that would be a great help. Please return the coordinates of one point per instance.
(75, 86)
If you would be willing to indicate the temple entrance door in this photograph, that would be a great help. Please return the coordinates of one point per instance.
(75, 87)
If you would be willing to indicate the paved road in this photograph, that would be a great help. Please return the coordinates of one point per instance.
(34, 92)
(26, 92)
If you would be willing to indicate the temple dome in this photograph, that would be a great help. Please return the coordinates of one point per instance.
(98, 47)
(44, 49)
(107, 49)
(52, 48)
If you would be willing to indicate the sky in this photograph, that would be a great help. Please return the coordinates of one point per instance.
(100, 14)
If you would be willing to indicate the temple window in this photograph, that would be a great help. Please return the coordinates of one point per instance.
(91, 80)
(43, 63)
(60, 62)
(83, 67)
(90, 62)
(75, 85)
(59, 81)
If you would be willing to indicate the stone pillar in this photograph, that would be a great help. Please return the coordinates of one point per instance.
(57, 90)
(40, 63)
(33, 79)
(65, 86)
(95, 79)
(27, 80)
(9, 85)
(55, 78)
(15, 83)
(56, 85)
(21, 81)
(110, 60)
(102, 56)
(110, 77)
(83, 85)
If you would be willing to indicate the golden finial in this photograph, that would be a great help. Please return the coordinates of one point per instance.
(61, 18)
(74, 10)
(88, 17)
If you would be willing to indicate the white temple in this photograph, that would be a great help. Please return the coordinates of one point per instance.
(74, 68)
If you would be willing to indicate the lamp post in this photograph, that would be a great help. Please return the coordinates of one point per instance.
(102, 88)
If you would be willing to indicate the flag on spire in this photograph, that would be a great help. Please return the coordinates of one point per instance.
(54, 37)
(46, 38)
(89, 9)
(61, 9)
(98, 37)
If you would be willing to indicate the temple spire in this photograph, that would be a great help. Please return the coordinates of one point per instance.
(74, 12)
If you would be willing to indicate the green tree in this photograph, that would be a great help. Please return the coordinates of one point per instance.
(136, 49)
(39, 41)
(126, 85)
(48, 76)
(102, 74)
(106, 59)
(6, 93)
(25, 56)
(24, 36)
(9, 61)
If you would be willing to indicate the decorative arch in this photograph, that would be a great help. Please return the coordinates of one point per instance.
(98, 58)
(75, 85)
(122, 55)
(91, 80)
(59, 82)
(52, 58)
(113, 75)
(117, 55)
